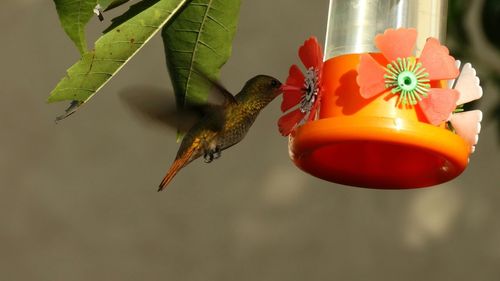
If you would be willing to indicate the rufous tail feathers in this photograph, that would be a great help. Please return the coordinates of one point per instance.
(178, 164)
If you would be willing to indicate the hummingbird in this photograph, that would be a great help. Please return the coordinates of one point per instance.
(220, 125)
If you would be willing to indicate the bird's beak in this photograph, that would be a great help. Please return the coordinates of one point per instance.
(282, 89)
(285, 87)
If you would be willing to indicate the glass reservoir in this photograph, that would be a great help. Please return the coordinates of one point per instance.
(352, 25)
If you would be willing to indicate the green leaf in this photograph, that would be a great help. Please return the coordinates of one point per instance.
(199, 40)
(132, 12)
(110, 4)
(114, 49)
(74, 16)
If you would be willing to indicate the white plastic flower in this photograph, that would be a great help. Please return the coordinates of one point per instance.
(467, 124)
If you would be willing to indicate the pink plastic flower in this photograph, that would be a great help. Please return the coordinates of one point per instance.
(411, 78)
(302, 91)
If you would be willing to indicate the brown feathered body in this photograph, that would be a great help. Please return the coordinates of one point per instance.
(224, 125)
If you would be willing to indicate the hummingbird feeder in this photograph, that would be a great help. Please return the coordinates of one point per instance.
(383, 107)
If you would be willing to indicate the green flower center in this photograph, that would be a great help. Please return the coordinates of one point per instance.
(408, 79)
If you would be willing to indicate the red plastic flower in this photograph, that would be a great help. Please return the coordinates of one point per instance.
(409, 77)
(302, 91)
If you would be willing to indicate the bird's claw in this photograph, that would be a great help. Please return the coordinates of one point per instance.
(212, 154)
(217, 153)
(209, 157)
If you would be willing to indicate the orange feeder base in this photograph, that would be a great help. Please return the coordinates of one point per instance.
(373, 143)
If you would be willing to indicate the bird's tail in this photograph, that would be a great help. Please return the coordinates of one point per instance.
(178, 164)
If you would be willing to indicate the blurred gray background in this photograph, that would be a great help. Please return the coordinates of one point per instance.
(78, 199)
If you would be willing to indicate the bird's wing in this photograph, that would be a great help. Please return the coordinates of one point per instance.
(218, 94)
(158, 105)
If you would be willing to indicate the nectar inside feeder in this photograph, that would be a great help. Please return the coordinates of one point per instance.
(382, 109)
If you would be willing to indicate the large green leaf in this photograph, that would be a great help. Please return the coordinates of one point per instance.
(121, 42)
(110, 4)
(199, 40)
(74, 16)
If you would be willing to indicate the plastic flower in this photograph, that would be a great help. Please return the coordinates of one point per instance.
(467, 124)
(302, 91)
(411, 78)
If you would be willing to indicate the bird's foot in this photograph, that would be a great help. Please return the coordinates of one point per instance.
(217, 152)
(212, 154)
(209, 157)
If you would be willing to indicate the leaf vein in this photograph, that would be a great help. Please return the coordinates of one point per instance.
(191, 63)
(218, 23)
(92, 73)
(76, 88)
(126, 42)
(110, 59)
(200, 4)
(186, 30)
(181, 51)
(209, 47)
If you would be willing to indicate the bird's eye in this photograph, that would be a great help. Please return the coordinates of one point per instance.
(275, 83)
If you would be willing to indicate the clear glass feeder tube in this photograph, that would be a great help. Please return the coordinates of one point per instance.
(353, 24)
